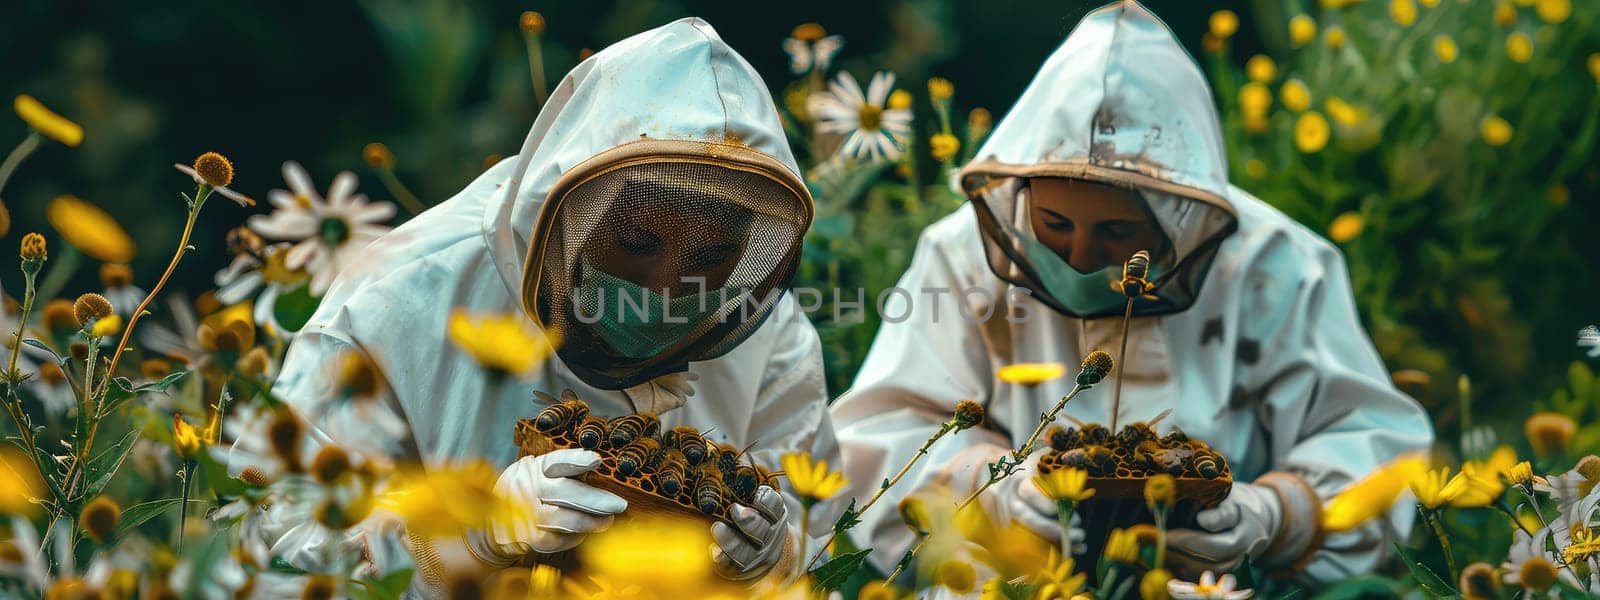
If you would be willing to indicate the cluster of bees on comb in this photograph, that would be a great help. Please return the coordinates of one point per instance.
(677, 469)
(1135, 452)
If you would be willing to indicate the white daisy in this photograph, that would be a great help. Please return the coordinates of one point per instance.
(1526, 547)
(872, 131)
(1589, 337)
(1209, 588)
(327, 235)
(260, 277)
(30, 568)
(809, 48)
(1569, 488)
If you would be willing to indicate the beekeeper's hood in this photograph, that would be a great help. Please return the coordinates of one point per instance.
(1119, 103)
(668, 128)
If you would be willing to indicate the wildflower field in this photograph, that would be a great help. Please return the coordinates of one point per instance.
(172, 235)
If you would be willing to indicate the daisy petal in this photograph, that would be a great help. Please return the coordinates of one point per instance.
(799, 55)
(847, 90)
(878, 90)
(339, 192)
(284, 225)
(299, 181)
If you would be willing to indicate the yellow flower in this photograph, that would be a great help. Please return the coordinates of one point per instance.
(108, 326)
(980, 118)
(1504, 14)
(1594, 66)
(1435, 489)
(1403, 12)
(446, 500)
(1372, 496)
(20, 485)
(811, 479)
(49, 124)
(940, 89)
(1154, 585)
(90, 229)
(1334, 37)
(185, 438)
(1064, 484)
(1302, 29)
(1160, 490)
(1056, 579)
(1346, 227)
(1255, 169)
(1261, 68)
(100, 518)
(1496, 131)
(1520, 474)
(1519, 47)
(1484, 485)
(1295, 95)
(1122, 546)
(1345, 113)
(1031, 373)
(1585, 544)
(1224, 23)
(503, 344)
(943, 146)
(33, 247)
(1255, 98)
(899, 100)
(1311, 132)
(957, 575)
(1445, 48)
(667, 556)
(1553, 11)
(1549, 433)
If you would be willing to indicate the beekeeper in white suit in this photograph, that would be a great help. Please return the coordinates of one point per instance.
(658, 171)
(1251, 338)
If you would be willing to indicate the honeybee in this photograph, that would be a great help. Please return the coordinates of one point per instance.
(592, 432)
(727, 457)
(767, 478)
(1150, 456)
(1063, 439)
(689, 440)
(632, 458)
(670, 473)
(743, 482)
(1208, 464)
(1176, 438)
(1094, 458)
(628, 428)
(710, 493)
(1134, 434)
(559, 418)
(1095, 434)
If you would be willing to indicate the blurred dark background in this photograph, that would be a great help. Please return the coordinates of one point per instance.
(443, 84)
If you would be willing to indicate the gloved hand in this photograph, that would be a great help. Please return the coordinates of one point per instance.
(763, 532)
(564, 510)
(1016, 498)
(1242, 525)
(663, 393)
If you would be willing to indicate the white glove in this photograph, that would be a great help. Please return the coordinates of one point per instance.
(1017, 499)
(1242, 525)
(563, 510)
(763, 531)
(663, 393)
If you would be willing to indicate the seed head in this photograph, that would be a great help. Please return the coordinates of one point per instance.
(284, 433)
(358, 377)
(968, 414)
(378, 155)
(1095, 367)
(531, 22)
(33, 247)
(330, 464)
(100, 518)
(319, 587)
(214, 169)
(1537, 574)
(89, 308)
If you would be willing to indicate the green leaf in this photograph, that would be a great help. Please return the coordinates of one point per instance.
(388, 587)
(295, 307)
(123, 390)
(1015, 591)
(40, 345)
(104, 466)
(139, 514)
(832, 574)
(217, 477)
(1431, 584)
(847, 519)
(1360, 587)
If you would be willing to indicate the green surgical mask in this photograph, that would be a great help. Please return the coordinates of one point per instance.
(638, 322)
(1082, 293)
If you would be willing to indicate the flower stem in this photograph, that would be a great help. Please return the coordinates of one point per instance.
(1432, 517)
(183, 502)
(1064, 509)
(1045, 420)
(889, 483)
(18, 154)
(1161, 537)
(402, 194)
(201, 194)
(536, 68)
(22, 323)
(805, 528)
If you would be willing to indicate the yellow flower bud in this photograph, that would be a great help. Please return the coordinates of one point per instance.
(943, 146)
(1160, 490)
(1295, 95)
(1519, 47)
(1403, 12)
(957, 575)
(531, 22)
(1334, 37)
(1154, 584)
(1255, 98)
(900, 100)
(1224, 23)
(378, 156)
(940, 88)
(47, 122)
(1311, 132)
(1553, 11)
(33, 247)
(1445, 48)
(1346, 227)
(1495, 130)
(1504, 13)
(1302, 29)
(185, 438)
(107, 327)
(1261, 68)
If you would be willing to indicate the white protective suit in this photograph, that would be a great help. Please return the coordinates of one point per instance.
(677, 82)
(1268, 361)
